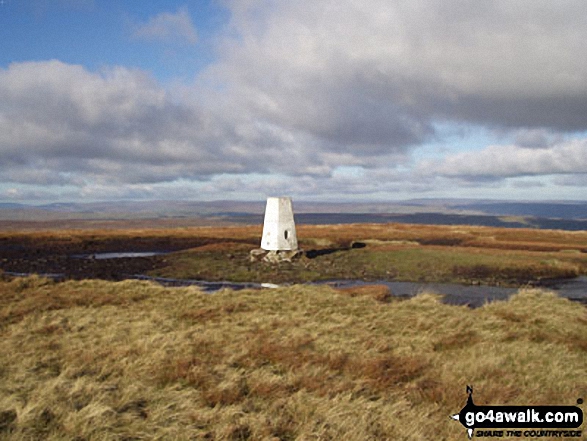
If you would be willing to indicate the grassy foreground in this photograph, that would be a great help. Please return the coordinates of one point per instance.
(420, 253)
(97, 360)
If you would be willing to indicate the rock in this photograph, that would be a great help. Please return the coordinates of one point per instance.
(282, 256)
(257, 255)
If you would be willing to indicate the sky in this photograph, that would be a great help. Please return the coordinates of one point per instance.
(345, 100)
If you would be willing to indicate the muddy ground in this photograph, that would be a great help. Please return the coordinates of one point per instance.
(394, 252)
(66, 259)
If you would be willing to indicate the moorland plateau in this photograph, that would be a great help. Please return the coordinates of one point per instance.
(90, 359)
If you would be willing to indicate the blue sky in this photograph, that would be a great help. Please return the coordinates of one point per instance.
(100, 33)
(330, 100)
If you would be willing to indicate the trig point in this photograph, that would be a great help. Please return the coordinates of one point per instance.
(279, 232)
(279, 228)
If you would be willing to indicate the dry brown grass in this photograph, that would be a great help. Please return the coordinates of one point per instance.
(66, 236)
(332, 235)
(405, 252)
(380, 293)
(99, 360)
(400, 252)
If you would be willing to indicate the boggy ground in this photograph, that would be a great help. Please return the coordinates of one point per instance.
(357, 251)
(59, 251)
(395, 252)
(98, 360)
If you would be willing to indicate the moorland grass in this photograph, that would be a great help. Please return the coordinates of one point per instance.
(379, 261)
(461, 254)
(97, 360)
(404, 252)
(327, 235)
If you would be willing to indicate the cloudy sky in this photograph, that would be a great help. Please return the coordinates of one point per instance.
(320, 100)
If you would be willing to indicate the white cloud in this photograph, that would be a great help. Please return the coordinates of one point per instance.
(376, 73)
(503, 161)
(168, 27)
(298, 89)
(63, 125)
(116, 125)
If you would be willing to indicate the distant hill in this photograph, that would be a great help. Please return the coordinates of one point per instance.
(423, 219)
(547, 210)
(523, 214)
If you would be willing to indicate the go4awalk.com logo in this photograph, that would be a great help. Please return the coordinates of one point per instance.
(520, 421)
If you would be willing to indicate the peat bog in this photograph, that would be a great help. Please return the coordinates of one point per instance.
(369, 252)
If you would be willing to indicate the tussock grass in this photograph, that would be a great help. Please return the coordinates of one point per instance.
(97, 360)
(394, 251)
(425, 253)
(322, 236)
(380, 293)
(390, 261)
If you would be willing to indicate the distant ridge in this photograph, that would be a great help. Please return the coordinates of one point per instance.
(553, 214)
(561, 210)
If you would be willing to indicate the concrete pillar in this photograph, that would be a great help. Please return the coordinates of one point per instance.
(279, 228)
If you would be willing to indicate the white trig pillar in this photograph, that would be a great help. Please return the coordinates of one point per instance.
(279, 228)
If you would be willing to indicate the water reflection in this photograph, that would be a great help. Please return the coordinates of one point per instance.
(118, 255)
(453, 294)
